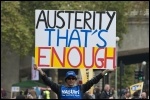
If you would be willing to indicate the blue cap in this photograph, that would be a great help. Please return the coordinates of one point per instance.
(70, 73)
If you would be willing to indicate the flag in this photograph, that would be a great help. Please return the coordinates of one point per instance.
(91, 74)
(86, 77)
(83, 75)
(135, 87)
(34, 73)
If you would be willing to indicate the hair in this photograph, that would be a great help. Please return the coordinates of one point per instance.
(26, 91)
(21, 92)
(136, 93)
(97, 90)
(33, 93)
(126, 92)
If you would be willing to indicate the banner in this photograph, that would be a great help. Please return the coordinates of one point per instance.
(135, 87)
(83, 75)
(34, 73)
(75, 39)
(91, 75)
(15, 89)
(87, 74)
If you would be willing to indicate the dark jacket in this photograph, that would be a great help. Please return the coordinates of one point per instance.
(105, 95)
(135, 97)
(97, 95)
(20, 97)
(87, 96)
(84, 87)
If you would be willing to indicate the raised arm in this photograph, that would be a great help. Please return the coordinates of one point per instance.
(47, 81)
(85, 87)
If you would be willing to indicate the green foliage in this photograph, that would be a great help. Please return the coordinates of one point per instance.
(15, 34)
(18, 18)
(127, 78)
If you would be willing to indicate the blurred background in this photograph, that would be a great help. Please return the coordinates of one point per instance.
(132, 29)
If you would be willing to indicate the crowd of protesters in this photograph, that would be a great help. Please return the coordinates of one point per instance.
(98, 93)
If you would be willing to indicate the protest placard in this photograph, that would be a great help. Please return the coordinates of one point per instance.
(75, 39)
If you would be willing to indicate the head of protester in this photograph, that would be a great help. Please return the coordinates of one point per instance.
(143, 95)
(70, 78)
(136, 95)
(71, 90)
(106, 93)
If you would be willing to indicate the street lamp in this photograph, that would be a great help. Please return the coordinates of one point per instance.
(117, 39)
(141, 75)
(144, 63)
(142, 69)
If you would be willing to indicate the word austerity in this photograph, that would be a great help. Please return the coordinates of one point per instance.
(87, 15)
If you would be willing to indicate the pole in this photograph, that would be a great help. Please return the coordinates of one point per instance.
(116, 83)
(147, 78)
(103, 83)
(120, 81)
(117, 39)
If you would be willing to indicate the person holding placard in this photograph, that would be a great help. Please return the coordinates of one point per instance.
(71, 90)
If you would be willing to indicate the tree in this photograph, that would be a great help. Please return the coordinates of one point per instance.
(18, 30)
(28, 13)
(127, 78)
(123, 9)
(15, 34)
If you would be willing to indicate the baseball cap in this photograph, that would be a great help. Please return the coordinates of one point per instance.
(70, 73)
